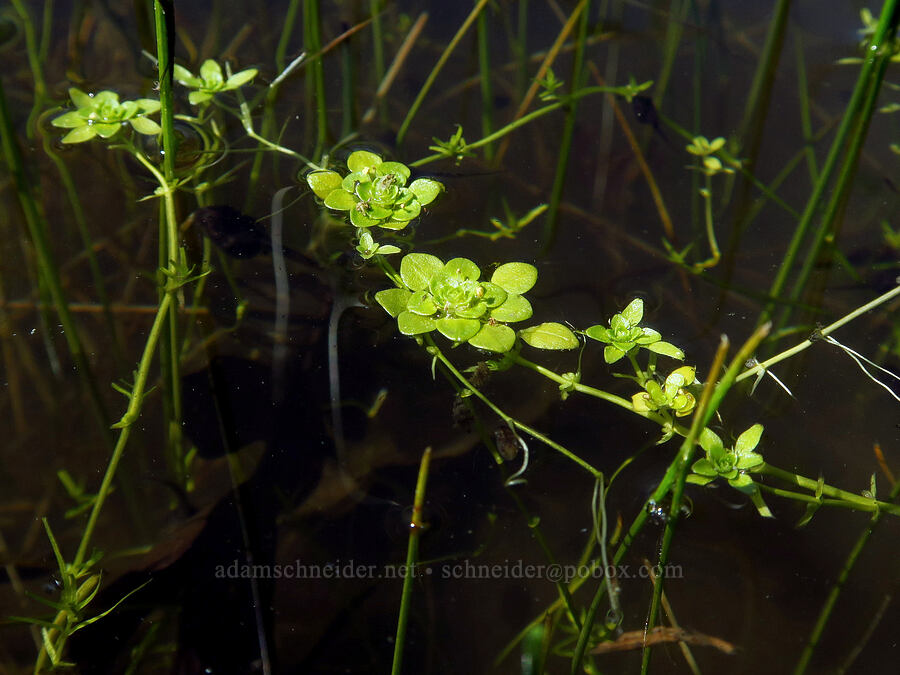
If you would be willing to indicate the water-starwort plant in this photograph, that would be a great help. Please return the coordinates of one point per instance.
(103, 115)
(452, 299)
(210, 81)
(374, 192)
(380, 207)
(625, 335)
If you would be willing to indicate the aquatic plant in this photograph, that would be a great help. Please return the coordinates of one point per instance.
(450, 298)
(352, 209)
(374, 192)
(103, 115)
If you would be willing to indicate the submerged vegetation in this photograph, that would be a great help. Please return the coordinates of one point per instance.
(613, 403)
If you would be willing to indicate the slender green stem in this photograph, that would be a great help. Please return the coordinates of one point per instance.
(881, 38)
(412, 559)
(831, 600)
(135, 403)
(33, 49)
(164, 23)
(842, 188)
(565, 144)
(316, 86)
(709, 403)
(522, 121)
(484, 71)
(47, 269)
(432, 76)
(805, 117)
(847, 318)
(858, 501)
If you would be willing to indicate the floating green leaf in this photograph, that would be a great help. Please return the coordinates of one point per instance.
(362, 160)
(515, 277)
(549, 336)
(393, 300)
(514, 308)
(322, 183)
(426, 190)
(414, 324)
(417, 270)
(458, 330)
(666, 349)
(496, 338)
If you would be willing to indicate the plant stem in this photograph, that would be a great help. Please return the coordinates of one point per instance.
(858, 501)
(432, 76)
(522, 121)
(881, 38)
(831, 600)
(135, 403)
(565, 144)
(412, 557)
(47, 269)
(847, 318)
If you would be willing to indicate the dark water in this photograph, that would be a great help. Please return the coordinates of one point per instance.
(759, 584)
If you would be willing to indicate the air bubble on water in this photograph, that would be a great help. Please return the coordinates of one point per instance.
(33, 331)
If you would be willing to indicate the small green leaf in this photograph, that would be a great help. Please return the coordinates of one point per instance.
(494, 295)
(494, 338)
(421, 303)
(699, 480)
(704, 467)
(749, 461)
(107, 130)
(647, 336)
(198, 97)
(710, 441)
(515, 277)
(362, 160)
(81, 99)
(70, 120)
(748, 440)
(393, 300)
(666, 349)
(475, 311)
(407, 212)
(417, 269)
(458, 330)
(145, 126)
(339, 200)
(79, 135)
(612, 354)
(358, 217)
(516, 308)
(183, 76)
(413, 324)
(148, 105)
(463, 268)
(211, 74)
(634, 312)
(549, 336)
(241, 78)
(599, 333)
(323, 182)
(387, 249)
(426, 190)
(395, 168)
